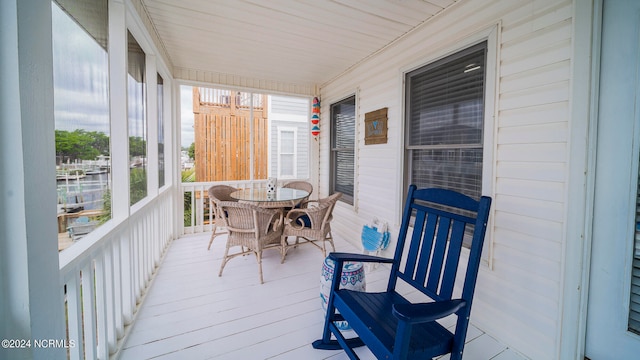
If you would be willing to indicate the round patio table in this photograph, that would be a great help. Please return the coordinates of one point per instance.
(282, 197)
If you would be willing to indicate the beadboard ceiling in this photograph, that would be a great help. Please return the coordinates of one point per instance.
(306, 42)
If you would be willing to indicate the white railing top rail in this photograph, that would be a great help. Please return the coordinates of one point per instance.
(93, 242)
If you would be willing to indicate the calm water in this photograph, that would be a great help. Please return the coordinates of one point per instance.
(87, 192)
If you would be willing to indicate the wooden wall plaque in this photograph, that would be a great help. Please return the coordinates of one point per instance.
(375, 127)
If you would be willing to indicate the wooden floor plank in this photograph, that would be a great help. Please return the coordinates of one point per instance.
(191, 313)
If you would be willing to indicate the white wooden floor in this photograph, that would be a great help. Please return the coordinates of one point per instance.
(191, 313)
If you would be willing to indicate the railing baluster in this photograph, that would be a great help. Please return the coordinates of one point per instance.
(128, 297)
(109, 298)
(102, 348)
(74, 316)
(88, 311)
(103, 282)
(136, 260)
(200, 207)
(117, 286)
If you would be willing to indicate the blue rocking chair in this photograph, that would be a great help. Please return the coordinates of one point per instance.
(391, 326)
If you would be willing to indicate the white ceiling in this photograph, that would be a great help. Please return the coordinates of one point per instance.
(307, 42)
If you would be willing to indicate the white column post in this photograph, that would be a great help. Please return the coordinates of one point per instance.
(118, 107)
(120, 150)
(31, 299)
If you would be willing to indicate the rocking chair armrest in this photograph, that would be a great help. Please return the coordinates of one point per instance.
(340, 256)
(426, 312)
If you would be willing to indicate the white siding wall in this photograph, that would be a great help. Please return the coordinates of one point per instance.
(518, 299)
(290, 113)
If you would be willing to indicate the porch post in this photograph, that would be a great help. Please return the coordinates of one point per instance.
(31, 299)
(580, 185)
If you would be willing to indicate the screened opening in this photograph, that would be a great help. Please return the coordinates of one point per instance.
(137, 115)
(81, 113)
(161, 173)
(230, 135)
(236, 135)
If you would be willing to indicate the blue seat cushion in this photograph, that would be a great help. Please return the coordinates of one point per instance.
(304, 220)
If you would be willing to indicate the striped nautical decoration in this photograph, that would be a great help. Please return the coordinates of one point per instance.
(315, 118)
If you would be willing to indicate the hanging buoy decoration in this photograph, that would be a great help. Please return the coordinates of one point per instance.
(315, 118)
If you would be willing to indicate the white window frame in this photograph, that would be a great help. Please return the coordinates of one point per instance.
(280, 130)
(346, 198)
(491, 35)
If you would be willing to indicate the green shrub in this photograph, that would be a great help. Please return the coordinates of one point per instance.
(137, 185)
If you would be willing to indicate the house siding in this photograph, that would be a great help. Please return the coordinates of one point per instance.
(519, 291)
(291, 113)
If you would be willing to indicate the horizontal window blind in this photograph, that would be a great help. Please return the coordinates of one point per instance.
(343, 134)
(445, 110)
(455, 169)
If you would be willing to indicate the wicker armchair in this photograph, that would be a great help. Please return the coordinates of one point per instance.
(219, 193)
(300, 185)
(253, 228)
(311, 224)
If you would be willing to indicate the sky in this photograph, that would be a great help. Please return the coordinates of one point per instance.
(81, 98)
(186, 113)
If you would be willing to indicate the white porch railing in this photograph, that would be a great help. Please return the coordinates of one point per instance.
(106, 274)
(198, 213)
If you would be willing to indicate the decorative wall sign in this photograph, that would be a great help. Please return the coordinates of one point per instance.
(375, 127)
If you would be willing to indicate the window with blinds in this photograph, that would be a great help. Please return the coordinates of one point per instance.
(445, 120)
(634, 303)
(343, 134)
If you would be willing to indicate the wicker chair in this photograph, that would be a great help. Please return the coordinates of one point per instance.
(253, 228)
(219, 193)
(311, 223)
(300, 185)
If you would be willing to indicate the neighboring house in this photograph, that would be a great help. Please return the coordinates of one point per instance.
(560, 154)
(289, 129)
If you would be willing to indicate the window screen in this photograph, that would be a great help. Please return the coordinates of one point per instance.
(445, 120)
(343, 133)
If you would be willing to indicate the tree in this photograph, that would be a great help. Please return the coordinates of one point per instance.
(192, 151)
(100, 142)
(80, 144)
(137, 146)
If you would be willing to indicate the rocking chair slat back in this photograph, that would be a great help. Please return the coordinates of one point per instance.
(433, 250)
(427, 259)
